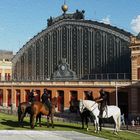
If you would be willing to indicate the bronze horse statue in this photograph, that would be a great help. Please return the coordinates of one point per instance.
(38, 109)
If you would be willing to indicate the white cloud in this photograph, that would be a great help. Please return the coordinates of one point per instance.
(135, 24)
(106, 20)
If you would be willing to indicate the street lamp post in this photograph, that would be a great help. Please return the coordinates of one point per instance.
(116, 93)
(11, 97)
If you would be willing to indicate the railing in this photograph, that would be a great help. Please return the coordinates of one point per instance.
(107, 76)
(80, 77)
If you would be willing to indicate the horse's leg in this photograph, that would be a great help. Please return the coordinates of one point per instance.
(19, 114)
(48, 121)
(115, 127)
(30, 119)
(100, 124)
(22, 117)
(117, 123)
(82, 122)
(39, 116)
(36, 120)
(33, 116)
(82, 119)
(96, 124)
(52, 120)
(87, 122)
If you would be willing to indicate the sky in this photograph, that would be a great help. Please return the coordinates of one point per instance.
(20, 20)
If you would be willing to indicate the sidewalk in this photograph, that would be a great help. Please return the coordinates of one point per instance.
(44, 135)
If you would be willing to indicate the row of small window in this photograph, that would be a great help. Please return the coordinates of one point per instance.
(4, 59)
(7, 76)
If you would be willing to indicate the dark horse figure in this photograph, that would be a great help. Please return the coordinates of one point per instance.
(38, 109)
(86, 117)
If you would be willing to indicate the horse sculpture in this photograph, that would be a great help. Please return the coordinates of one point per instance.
(111, 111)
(38, 109)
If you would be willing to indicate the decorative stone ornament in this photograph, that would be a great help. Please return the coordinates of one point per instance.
(63, 72)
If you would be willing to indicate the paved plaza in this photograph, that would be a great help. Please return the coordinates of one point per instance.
(45, 135)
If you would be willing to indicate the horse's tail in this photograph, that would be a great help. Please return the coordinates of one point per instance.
(119, 120)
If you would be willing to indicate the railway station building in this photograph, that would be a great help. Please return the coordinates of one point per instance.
(74, 55)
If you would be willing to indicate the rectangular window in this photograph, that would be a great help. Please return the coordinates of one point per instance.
(9, 77)
(5, 76)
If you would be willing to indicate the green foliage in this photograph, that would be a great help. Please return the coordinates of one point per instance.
(9, 122)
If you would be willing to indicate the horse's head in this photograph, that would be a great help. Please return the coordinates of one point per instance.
(81, 106)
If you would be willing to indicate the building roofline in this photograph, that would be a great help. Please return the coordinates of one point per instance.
(70, 18)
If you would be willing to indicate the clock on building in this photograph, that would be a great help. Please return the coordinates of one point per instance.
(63, 67)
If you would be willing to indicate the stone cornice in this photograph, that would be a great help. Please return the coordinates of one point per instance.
(134, 41)
(68, 84)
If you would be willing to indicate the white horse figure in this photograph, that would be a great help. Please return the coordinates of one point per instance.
(111, 111)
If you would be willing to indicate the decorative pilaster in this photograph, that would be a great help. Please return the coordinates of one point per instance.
(135, 52)
(134, 101)
(134, 67)
(22, 95)
(5, 98)
(54, 93)
(80, 94)
(13, 98)
(67, 98)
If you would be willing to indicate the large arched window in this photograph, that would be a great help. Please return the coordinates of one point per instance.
(30, 63)
(98, 51)
(74, 49)
(46, 49)
(85, 51)
(55, 50)
(38, 59)
(22, 67)
(64, 42)
(110, 54)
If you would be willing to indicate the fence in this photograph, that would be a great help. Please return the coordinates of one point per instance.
(102, 76)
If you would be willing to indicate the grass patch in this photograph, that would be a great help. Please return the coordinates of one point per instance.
(9, 122)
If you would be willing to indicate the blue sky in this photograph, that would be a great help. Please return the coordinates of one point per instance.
(20, 20)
